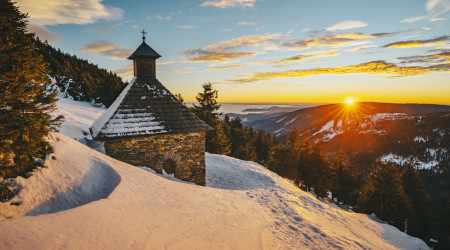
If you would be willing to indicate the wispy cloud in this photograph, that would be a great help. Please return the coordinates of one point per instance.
(103, 29)
(197, 55)
(412, 19)
(245, 41)
(346, 25)
(371, 68)
(298, 57)
(434, 9)
(242, 23)
(361, 48)
(187, 27)
(229, 3)
(108, 49)
(226, 50)
(179, 71)
(233, 66)
(440, 58)
(162, 18)
(43, 33)
(304, 56)
(437, 7)
(54, 12)
(163, 63)
(124, 70)
(328, 40)
(419, 43)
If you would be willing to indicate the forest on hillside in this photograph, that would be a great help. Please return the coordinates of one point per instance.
(78, 78)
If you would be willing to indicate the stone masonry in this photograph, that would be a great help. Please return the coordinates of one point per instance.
(186, 150)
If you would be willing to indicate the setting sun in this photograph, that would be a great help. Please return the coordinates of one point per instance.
(349, 101)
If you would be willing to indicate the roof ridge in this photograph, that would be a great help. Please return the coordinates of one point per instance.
(106, 116)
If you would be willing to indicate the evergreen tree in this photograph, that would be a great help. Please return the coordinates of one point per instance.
(293, 138)
(319, 169)
(179, 98)
(345, 184)
(207, 110)
(383, 195)
(283, 161)
(415, 190)
(262, 147)
(25, 103)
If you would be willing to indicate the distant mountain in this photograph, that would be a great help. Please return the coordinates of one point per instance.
(79, 79)
(368, 131)
(309, 118)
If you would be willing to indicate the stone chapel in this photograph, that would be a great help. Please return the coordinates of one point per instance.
(147, 126)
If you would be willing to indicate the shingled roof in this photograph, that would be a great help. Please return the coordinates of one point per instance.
(144, 51)
(145, 107)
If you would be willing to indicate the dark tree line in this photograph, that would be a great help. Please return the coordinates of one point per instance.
(78, 78)
(394, 193)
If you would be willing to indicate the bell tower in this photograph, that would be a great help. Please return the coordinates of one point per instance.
(144, 60)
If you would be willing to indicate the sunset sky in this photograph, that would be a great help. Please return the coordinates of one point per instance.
(265, 51)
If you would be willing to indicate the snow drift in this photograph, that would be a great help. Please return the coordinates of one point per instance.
(85, 199)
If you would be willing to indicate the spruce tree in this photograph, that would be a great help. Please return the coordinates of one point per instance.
(207, 110)
(415, 190)
(25, 103)
(262, 147)
(383, 195)
(345, 184)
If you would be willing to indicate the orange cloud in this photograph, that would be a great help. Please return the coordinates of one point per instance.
(244, 41)
(440, 58)
(372, 68)
(329, 40)
(163, 63)
(225, 50)
(179, 71)
(301, 57)
(124, 70)
(108, 49)
(230, 66)
(206, 56)
(419, 43)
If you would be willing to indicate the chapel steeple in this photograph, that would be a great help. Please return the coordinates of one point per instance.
(144, 60)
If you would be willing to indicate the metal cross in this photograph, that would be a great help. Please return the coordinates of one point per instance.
(143, 34)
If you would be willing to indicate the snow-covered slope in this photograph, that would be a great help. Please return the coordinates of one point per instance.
(84, 199)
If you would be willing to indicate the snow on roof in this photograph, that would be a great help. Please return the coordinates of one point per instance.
(104, 118)
(145, 107)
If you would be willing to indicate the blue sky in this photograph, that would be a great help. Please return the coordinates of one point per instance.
(266, 51)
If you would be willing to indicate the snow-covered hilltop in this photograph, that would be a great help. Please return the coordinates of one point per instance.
(83, 199)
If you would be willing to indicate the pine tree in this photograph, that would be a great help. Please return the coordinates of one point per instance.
(25, 103)
(283, 161)
(383, 195)
(262, 147)
(415, 190)
(207, 110)
(345, 184)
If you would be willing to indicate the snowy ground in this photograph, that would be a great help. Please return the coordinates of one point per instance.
(84, 199)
